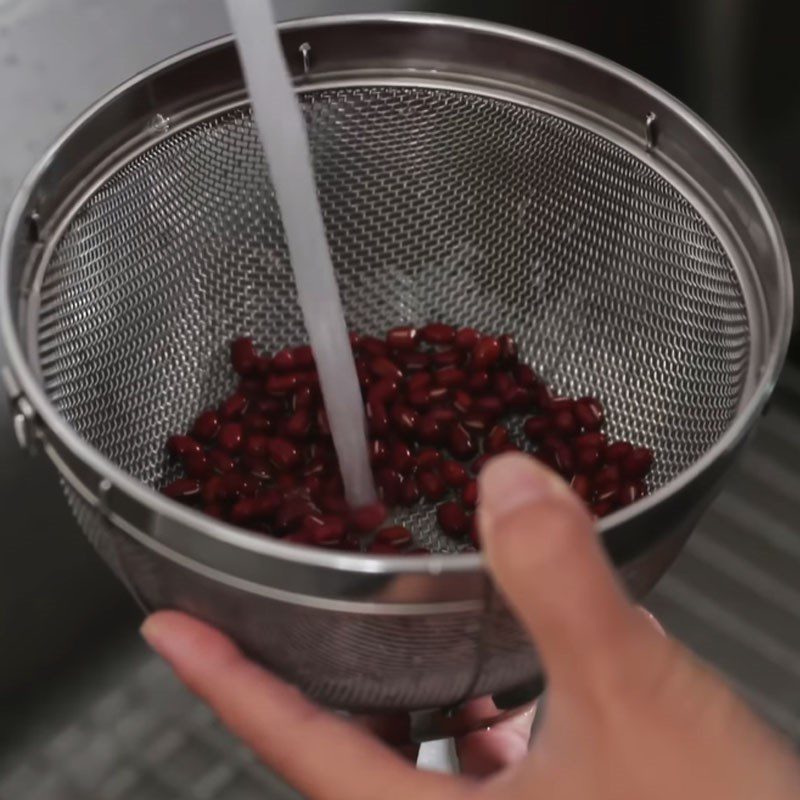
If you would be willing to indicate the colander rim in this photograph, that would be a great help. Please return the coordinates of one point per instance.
(358, 562)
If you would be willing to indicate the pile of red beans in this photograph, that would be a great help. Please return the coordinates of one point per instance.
(438, 402)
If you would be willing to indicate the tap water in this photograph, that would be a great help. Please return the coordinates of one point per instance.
(283, 133)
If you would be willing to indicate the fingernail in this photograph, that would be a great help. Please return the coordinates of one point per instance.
(151, 632)
(512, 481)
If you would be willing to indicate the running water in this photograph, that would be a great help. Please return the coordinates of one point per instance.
(283, 134)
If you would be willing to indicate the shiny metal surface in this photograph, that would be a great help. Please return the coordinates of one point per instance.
(467, 172)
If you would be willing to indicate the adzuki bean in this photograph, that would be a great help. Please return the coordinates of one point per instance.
(439, 400)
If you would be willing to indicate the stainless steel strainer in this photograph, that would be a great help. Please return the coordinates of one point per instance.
(467, 173)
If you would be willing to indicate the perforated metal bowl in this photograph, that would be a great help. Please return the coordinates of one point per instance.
(467, 173)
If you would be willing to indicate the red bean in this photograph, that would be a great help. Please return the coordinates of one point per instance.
(312, 485)
(618, 451)
(284, 361)
(469, 495)
(315, 466)
(420, 398)
(431, 484)
(382, 367)
(396, 535)
(234, 406)
(279, 385)
(373, 347)
(298, 537)
(637, 464)
(409, 492)
(450, 357)
(182, 489)
(298, 426)
(518, 399)
(607, 478)
(626, 494)
(270, 406)
(244, 356)
(562, 457)
(444, 415)
(587, 459)
(206, 426)
(454, 474)
(413, 362)
(438, 394)
(402, 458)
(589, 412)
(491, 405)
(363, 372)
(525, 376)
(437, 333)
(602, 508)
(450, 377)
(331, 532)
(383, 549)
(466, 338)
(462, 401)
(428, 458)
(332, 502)
(403, 338)
(564, 423)
(476, 422)
(479, 463)
(256, 445)
(593, 439)
(291, 513)
(323, 426)
(263, 366)
(220, 461)
(429, 431)
(250, 386)
(486, 352)
(378, 418)
(287, 482)
(305, 398)
(390, 484)
(558, 404)
(502, 383)
(536, 428)
(419, 380)
(256, 422)
(261, 506)
(378, 452)
(368, 518)
(231, 437)
(383, 391)
(404, 420)
(283, 454)
(582, 486)
(198, 466)
(509, 353)
(212, 490)
(497, 439)
(461, 443)
(182, 446)
(544, 397)
(452, 519)
(303, 357)
(478, 381)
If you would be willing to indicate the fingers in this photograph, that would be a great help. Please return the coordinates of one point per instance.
(325, 757)
(485, 752)
(548, 561)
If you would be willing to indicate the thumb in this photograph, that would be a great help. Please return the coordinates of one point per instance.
(547, 559)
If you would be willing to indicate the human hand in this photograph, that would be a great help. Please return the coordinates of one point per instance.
(630, 713)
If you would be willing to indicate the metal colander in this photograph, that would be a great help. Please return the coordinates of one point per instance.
(525, 187)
